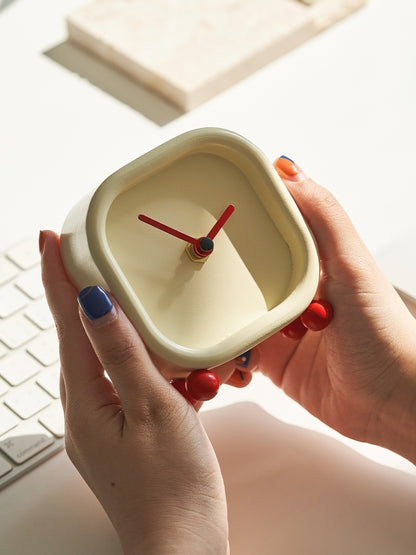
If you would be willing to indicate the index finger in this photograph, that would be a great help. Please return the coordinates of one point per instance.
(79, 364)
(121, 351)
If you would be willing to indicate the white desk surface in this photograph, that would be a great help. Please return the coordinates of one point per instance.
(342, 105)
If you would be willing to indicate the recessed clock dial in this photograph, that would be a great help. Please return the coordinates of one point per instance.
(248, 273)
(261, 273)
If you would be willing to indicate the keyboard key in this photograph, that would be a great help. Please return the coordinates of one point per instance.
(31, 283)
(45, 348)
(5, 467)
(31, 415)
(18, 367)
(53, 419)
(3, 350)
(11, 300)
(40, 314)
(25, 254)
(7, 270)
(4, 388)
(49, 381)
(16, 331)
(27, 401)
(8, 420)
(26, 441)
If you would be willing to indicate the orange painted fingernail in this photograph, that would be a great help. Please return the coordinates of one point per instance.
(240, 379)
(287, 166)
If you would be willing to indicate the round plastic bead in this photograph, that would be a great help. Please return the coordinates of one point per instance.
(202, 385)
(180, 385)
(318, 315)
(294, 330)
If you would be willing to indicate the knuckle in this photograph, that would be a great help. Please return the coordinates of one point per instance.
(121, 353)
(64, 326)
(326, 199)
(155, 415)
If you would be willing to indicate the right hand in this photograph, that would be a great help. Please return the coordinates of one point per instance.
(359, 374)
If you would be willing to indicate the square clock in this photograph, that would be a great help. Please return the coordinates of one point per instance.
(200, 243)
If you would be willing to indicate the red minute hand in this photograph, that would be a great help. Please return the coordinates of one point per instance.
(167, 229)
(221, 221)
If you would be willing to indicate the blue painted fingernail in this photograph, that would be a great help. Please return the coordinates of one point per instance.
(94, 302)
(244, 359)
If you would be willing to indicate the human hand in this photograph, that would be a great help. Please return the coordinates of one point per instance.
(135, 440)
(359, 374)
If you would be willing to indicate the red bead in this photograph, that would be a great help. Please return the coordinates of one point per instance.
(180, 385)
(318, 315)
(294, 330)
(202, 385)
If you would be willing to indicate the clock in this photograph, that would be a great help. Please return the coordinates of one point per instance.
(200, 243)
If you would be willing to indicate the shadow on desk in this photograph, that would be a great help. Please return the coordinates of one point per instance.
(290, 491)
(298, 492)
(113, 82)
(5, 3)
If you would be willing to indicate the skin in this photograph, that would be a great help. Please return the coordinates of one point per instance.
(140, 445)
(135, 440)
(359, 374)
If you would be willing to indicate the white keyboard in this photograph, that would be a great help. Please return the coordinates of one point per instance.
(31, 419)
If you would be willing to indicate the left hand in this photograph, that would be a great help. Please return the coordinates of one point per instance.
(135, 440)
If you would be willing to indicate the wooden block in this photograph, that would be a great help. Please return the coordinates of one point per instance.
(188, 50)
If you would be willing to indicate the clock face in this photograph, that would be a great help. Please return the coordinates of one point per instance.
(263, 270)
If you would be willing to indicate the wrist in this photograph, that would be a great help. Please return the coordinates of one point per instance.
(180, 533)
(397, 421)
(177, 541)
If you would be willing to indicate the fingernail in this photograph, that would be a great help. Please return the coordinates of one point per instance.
(96, 304)
(286, 167)
(239, 378)
(244, 359)
(248, 360)
(41, 241)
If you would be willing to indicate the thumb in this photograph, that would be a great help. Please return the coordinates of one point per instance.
(343, 254)
(351, 279)
(121, 351)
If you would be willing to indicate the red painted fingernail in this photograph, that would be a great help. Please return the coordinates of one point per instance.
(202, 385)
(294, 330)
(41, 241)
(318, 315)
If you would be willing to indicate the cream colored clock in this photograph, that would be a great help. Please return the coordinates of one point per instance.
(200, 243)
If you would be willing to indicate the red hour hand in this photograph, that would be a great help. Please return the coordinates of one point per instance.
(167, 229)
